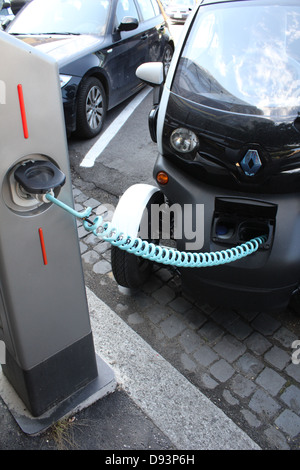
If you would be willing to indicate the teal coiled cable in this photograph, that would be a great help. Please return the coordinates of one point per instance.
(157, 253)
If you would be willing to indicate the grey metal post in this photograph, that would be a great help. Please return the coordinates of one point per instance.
(44, 318)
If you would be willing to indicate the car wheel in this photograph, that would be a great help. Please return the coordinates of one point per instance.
(129, 270)
(91, 108)
(167, 57)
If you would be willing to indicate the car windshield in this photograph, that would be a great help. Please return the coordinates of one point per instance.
(62, 17)
(243, 57)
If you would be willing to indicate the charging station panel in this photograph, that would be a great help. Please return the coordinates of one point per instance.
(44, 318)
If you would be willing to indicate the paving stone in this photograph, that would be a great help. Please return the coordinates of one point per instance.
(152, 285)
(92, 239)
(211, 332)
(241, 386)
(76, 192)
(78, 207)
(240, 329)
(221, 370)
(91, 202)
(230, 348)
(251, 419)
(257, 343)
(208, 382)
(164, 295)
(102, 267)
(180, 305)
(229, 398)
(82, 232)
(156, 313)
(187, 362)
(248, 315)
(142, 300)
(270, 381)
(263, 404)
(79, 196)
(107, 255)
(195, 318)
(224, 316)
(190, 340)
(206, 308)
(101, 209)
(249, 365)
(205, 356)
(102, 246)
(90, 257)
(285, 337)
(164, 274)
(293, 370)
(135, 319)
(291, 396)
(265, 324)
(277, 357)
(289, 423)
(172, 326)
(83, 247)
(276, 439)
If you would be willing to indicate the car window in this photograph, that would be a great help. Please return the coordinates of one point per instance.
(62, 16)
(146, 9)
(125, 8)
(245, 59)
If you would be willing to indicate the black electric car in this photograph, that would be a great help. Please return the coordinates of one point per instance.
(227, 124)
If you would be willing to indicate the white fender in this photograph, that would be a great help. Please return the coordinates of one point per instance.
(130, 208)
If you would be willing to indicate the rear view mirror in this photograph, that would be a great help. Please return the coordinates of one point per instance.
(128, 23)
(151, 73)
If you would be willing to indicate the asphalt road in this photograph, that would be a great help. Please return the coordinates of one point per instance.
(128, 154)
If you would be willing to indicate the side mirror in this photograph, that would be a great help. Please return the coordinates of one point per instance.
(151, 73)
(128, 23)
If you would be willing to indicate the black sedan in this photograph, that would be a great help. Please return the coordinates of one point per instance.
(98, 45)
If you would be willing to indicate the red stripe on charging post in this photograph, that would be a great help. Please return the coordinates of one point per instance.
(43, 246)
(23, 113)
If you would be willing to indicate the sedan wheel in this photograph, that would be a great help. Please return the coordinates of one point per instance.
(168, 54)
(91, 108)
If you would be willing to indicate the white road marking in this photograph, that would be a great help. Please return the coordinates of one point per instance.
(110, 132)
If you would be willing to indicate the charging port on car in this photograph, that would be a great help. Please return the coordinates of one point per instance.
(238, 220)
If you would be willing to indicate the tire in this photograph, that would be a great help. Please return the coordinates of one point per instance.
(167, 57)
(130, 270)
(91, 108)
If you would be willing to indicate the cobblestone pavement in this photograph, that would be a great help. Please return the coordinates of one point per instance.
(241, 361)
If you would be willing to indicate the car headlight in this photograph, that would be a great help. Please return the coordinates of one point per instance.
(184, 141)
(64, 79)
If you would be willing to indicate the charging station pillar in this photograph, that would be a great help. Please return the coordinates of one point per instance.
(44, 318)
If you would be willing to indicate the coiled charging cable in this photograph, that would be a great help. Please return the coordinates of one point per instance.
(157, 253)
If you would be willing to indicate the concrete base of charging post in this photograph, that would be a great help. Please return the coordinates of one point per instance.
(104, 384)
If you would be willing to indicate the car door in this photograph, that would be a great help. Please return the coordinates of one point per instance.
(154, 25)
(129, 49)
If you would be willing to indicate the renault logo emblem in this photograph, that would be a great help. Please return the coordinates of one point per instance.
(251, 163)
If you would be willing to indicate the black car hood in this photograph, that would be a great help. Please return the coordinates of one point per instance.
(64, 49)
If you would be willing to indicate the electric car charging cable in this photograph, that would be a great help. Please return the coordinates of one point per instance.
(157, 253)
